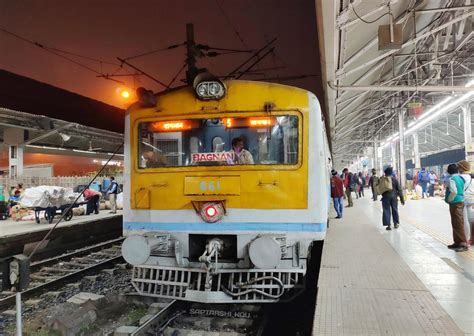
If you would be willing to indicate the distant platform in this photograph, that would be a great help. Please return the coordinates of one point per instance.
(400, 282)
(19, 237)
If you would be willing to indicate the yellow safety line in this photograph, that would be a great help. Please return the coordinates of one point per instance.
(436, 235)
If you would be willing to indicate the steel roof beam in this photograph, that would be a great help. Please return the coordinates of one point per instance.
(422, 88)
(410, 42)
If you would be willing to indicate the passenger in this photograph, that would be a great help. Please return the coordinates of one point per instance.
(423, 181)
(455, 198)
(337, 193)
(409, 181)
(373, 182)
(469, 210)
(347, 179)
(464, 168)
(113, 191)
(18, 190)
(241, 155)
(154, 159)
(93, 199)
(390, 189)
(445, 180)
(433, 180)
(361, 184)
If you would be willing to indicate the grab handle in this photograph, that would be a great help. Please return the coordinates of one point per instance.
(262, 183)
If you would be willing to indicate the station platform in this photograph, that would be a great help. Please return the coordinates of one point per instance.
(17, 237)
(400, 282)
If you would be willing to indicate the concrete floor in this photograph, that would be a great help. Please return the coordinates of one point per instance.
(384, 270)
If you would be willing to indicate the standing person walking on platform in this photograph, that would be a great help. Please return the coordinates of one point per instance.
(373, 182)
(464, 168)
(423, 181)
(455, 198)
(390, 189)
(433, 179)
(469, 210)
(337, 193)
(113, 191)
(361, 183)
(346, 177)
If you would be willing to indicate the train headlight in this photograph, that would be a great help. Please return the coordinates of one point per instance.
(208, 87)
(210, 90)
(212, 212)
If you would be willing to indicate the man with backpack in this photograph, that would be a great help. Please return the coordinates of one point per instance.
(455, 198)
(424, 181)
(389, 188)
(373, 182)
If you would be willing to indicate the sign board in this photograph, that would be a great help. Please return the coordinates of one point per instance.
(213, 157)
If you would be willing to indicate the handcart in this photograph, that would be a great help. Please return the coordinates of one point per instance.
(52, 211)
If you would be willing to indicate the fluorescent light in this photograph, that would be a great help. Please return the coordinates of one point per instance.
(434, 108)
(46, 147)
(431, 114)
(84, 151)
(439, 112)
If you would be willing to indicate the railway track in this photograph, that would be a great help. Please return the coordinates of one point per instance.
(180, 317)
(54, 272)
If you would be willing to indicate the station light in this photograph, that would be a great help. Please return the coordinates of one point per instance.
(125, 94)
(442, 107)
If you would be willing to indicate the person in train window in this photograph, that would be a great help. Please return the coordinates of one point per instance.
(241, 155)
(154, 159)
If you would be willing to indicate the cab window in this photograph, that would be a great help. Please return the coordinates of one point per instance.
(215, 142)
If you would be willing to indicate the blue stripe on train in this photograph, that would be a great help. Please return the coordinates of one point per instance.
(302, 227)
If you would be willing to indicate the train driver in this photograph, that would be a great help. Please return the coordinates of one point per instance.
(154, 159)
(241, 155)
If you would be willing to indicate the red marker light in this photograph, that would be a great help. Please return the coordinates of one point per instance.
(211, 211)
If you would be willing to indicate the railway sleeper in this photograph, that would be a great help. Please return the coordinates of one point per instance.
(57, 270)
(43, 277)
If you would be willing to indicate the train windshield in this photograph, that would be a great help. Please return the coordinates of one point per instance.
(213, 142)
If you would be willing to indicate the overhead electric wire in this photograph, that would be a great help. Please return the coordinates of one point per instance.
(58, 52)
(173, 46)
(369, 22)
(82, 56)
(177, 74)
(143, 72)
(256, 54)
(226, 17)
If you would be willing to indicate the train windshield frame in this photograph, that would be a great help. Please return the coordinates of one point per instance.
(250, 139)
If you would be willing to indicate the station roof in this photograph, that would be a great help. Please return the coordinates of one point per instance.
(56, 121)
(434, 58)
(28, 95)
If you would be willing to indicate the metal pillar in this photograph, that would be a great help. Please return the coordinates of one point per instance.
(393, 148)
(15, 161)
(14, 138)
(416, 150)
(401, 150)
(375, 166)
(469, 148)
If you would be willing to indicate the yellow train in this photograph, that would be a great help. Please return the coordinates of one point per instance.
(227, 190)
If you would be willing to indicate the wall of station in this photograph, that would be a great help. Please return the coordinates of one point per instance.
(61, 165)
